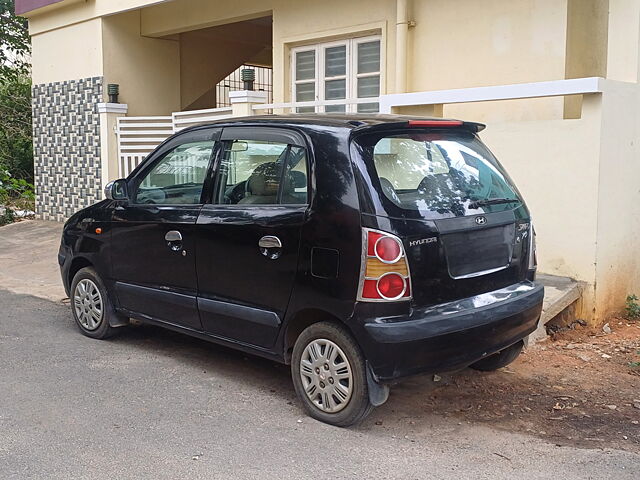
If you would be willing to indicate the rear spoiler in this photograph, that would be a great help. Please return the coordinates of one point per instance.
(423, 123)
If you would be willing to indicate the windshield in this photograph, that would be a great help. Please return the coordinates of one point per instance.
(437, 175)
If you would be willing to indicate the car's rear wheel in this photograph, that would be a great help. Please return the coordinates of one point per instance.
(329, 375)
(499, 359)
(92, 309)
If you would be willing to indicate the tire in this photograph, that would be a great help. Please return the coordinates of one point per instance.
(346, 398)
(88, 297)
(500, 359)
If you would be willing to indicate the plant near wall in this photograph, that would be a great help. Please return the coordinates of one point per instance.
(632, 307)
(16, 192)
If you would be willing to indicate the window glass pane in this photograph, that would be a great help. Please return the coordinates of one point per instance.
(369, 57)
(305, 92)
(335, 89)
(251, 173)
(335, 108)
(306, 65)
(305, 109)
(294, 188)
(177, 178)
(335, 61)
(368, 107)
(368, 87)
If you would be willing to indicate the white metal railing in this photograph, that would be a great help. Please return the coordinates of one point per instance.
(555, 88)
(139, 136)
(291, 106)
(190, 118)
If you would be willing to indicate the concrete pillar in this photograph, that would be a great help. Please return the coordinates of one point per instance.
(109, 113)
(243, 100)
(623, 46)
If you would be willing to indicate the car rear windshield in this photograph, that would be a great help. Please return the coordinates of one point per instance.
(436, 174)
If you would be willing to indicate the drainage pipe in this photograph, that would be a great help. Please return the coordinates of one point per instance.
(402, 31)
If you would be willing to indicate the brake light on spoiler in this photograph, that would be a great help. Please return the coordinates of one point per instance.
(435, 123)
(384, 273)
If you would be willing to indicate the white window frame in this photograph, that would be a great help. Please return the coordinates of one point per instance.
(351, 75)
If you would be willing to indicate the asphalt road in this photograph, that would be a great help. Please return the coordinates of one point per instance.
(159, 405)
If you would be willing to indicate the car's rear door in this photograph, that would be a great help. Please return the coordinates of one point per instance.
(153, 239)
(248, 235)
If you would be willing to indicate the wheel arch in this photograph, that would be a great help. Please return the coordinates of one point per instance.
(77, 264)
(305, 318)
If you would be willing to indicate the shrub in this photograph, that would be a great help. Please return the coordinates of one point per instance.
(632, 306)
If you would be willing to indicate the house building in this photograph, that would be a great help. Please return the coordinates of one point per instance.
(555, 80)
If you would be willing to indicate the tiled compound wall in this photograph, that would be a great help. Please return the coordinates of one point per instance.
(66, 142)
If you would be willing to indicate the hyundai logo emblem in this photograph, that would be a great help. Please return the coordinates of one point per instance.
(481, 220)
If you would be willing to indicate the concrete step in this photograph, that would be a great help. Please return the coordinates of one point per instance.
(559, 293)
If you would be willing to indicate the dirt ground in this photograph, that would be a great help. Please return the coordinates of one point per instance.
(581, 388)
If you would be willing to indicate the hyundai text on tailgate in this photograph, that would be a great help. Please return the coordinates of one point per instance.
(357, 249)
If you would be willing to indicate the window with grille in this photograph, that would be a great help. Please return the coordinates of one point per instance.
(342, 76)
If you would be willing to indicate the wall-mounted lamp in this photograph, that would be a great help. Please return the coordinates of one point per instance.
(113, 89)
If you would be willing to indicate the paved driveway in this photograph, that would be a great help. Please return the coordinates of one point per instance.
(159, 405)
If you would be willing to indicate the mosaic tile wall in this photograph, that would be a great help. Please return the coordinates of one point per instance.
(66, 142)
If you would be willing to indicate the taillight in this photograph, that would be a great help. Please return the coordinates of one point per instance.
(385, 271)
(533, 260)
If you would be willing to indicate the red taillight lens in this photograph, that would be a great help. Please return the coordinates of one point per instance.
(391, 286)
(387, 249)
(385, 271)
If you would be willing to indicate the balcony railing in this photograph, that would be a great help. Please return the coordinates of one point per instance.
(138, 136)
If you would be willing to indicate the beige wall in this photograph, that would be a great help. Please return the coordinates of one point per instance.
(147, 69)
(58, 55)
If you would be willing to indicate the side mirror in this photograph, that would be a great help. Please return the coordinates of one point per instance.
(116, 190)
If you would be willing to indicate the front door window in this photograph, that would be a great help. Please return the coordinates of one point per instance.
(178, 177)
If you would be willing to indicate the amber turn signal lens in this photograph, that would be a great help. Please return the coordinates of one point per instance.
(98, 230)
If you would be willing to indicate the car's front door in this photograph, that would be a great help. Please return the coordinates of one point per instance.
(153, 237)
(249, 233)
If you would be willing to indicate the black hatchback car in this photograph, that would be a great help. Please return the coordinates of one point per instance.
(358, 249)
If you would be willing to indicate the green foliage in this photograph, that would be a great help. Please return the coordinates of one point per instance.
(634, 364)
(632, 307)
(7, 217)
(16, 149)
(16, 192)
(15, 52)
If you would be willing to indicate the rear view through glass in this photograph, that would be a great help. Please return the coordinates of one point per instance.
(436, 174)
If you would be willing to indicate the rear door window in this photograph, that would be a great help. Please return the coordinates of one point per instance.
(437, 174)
(260, 172)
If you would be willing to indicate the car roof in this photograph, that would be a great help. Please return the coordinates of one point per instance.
(349, 121)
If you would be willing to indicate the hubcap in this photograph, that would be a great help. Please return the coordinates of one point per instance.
(87, 302)
(326, 375)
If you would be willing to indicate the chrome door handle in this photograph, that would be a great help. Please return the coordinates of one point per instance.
(174, 240)
(270, 246)
(270, 241)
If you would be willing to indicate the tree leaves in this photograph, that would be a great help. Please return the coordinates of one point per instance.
(15, 43)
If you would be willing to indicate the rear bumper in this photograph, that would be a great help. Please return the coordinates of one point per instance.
(450, 336)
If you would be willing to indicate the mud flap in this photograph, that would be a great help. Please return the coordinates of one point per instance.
(378, 393)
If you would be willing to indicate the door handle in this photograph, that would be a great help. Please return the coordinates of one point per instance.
(270, 241)
(174, 240)
(270, 246)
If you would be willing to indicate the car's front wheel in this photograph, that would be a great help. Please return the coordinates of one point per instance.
(329, 375)
(91, 306)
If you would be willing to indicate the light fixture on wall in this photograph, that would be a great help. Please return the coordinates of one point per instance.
(113, 89)
(248, 76)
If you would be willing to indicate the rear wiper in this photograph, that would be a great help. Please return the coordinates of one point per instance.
(492, 201)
